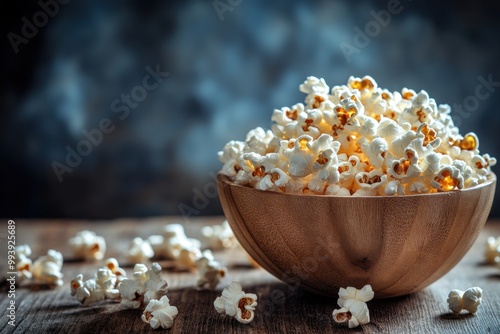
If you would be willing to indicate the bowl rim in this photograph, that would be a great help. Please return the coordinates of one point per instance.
(491, 180)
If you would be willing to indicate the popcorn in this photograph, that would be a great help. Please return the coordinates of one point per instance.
(159, 313)
(100, 287)
(469, 300)
(145, 285)
(114, 267)
(172, 242)
(210, 272)
(492, 253)
(353, 311)
(405, 139)
(236, 303)
(219, 236)
(23, 262)
(139, 251)
(47, 269)
(87, 245)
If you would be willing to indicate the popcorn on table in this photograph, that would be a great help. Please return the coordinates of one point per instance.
(173, 240)
(139, 251)
(492, 253)
(219, 236)
(104, 284)
(210, 272)
(145, 285)
(23, 262)
(236, 303)
(159, 313)
(47, 269)
(87, 245)
(468, 300)
(358, 139)
(353, 308)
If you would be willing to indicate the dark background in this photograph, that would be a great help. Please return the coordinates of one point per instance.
(225, 78)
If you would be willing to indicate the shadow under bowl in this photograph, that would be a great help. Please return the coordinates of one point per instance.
(397, 244)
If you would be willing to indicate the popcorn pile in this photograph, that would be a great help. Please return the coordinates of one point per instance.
(46, 270)
(361, 140)
(353, 311)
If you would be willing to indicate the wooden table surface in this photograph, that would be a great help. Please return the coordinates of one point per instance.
(281, 309)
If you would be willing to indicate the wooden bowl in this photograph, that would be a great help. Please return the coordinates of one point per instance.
(398, 244)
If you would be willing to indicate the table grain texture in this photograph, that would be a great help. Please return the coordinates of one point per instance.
(281, 308)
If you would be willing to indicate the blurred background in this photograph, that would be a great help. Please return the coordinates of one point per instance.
(70, 67)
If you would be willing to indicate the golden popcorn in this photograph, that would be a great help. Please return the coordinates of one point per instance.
(358, 139)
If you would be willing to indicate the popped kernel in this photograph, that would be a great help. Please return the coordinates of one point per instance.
(318, 147)
(468, 300)
(159, 313)
(87, 245)
(236, 303)
(353, 308)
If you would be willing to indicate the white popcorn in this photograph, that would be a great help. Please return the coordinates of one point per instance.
(311, 145)
(353, 311)
(492, 253)
(364, 295)
(357, 314)
(145, 285)
(23, 262)
(47, 269)
(236, 303)
(210, 272)
(159, 313)
(469, 300)
(87, 245)
(186, 260)
(139, 251)
(112, 264)
(174, 239)
(219, 236)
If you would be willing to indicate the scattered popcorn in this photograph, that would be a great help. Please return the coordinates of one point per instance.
(23, 262)
(145, 285)
(47, 269)
(469, 300)
(139, 251)
(101, 286)
(220, 236)
(210, 272)
(172, 241)
(87, 245)
(186, 258)
(492, 253)
(353, 311)
(159, 313)
(358, 139)
(236, 303)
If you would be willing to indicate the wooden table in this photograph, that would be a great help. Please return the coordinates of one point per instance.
(281, 309)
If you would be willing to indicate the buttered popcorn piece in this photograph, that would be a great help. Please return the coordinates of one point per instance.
(159, 313)
(112, 264)
(236, 303)
(87, 245)
(405, 138)
(468, 300)
(353, 308)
